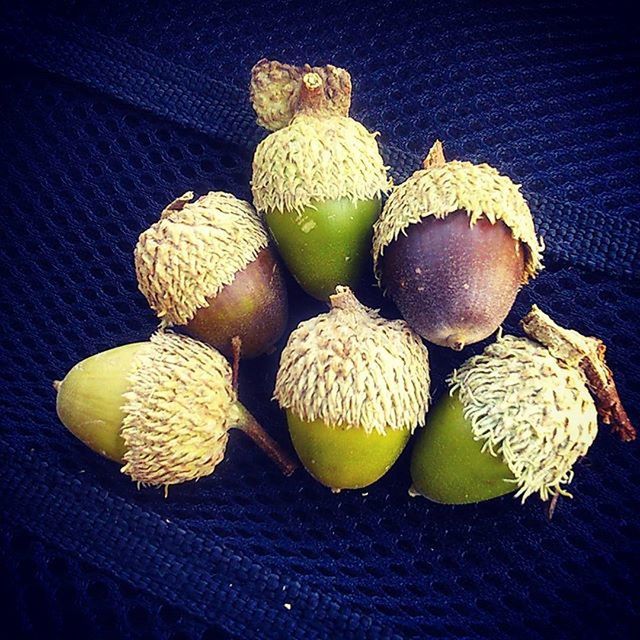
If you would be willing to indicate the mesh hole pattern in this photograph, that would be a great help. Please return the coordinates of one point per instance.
(83, 175)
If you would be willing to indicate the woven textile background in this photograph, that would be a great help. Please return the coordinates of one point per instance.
(110, 110)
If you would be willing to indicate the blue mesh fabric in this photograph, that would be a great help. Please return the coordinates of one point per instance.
(547, 92)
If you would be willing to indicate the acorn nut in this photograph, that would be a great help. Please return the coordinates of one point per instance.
(319, 177)
(452, 247)
(517, 417)
(163, 408)
(354, 386)
(207, 266)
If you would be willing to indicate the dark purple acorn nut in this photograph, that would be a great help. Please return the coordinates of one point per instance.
(452, 247)
(452, 282)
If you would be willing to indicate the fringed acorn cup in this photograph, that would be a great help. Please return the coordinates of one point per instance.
(318, 179)
(163, 408)
(452, 247)
(207, 266)
(518, 417)
(354, 387)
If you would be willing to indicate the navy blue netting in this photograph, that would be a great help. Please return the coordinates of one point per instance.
(546, 92)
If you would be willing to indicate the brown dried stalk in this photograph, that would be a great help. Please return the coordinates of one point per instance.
(588, 354)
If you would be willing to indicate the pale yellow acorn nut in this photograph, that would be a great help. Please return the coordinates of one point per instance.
(441, 188)
(194, 250)
(163, 408)
(351, 368)
(529, 408)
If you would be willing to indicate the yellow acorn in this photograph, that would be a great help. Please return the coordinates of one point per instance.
(318, 179)
(452, 247)
(207, 266)
(354, 387)
(163, 408)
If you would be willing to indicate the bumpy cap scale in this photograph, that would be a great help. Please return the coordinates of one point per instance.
(176, 410)
(194, 250)
(350, 367)
(316, 153)
(529, 408)
(441, 188)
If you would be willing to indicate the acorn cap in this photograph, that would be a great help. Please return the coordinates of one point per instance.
(317, 153)
(529, 408)
(351, 368)
(441, 188)
(176, 410)
(194, 250)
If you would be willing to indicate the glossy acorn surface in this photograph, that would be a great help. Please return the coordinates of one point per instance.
(326, 245)
(453, 282)
(253, 307)
(345, 458)
(449, 466)
(452, 246)
(90, 399)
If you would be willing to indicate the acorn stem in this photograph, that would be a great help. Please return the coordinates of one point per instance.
(276, 90)
(551, 508)
(312, 97)
(587, 354)
(252, 428)
(345, 299)
(435, 157)
(236, 348)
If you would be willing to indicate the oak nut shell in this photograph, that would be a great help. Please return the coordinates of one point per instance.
(516, 418)
(452, 246)
(163, 407)
(319, 177)
(354, 387)
(207, 266)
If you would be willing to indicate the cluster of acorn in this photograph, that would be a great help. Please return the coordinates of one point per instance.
(451, 246)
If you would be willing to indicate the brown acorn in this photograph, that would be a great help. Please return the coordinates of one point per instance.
(208, 267)
(452, 247)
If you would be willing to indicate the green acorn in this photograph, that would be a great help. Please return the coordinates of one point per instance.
(318, 179)
(354, 387)
(162, 408)
(517, 417)
(452, 247)
(207, 266)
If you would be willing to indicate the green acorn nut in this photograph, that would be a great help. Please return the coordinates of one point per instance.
(517, 417)
(207, 266)
(163, 408)
(318, 179)
(452, 247)
(354, 387)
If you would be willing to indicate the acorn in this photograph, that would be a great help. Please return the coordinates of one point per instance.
(518, 417)
(207, 266)
(452, 247)
(162, 408)
(318, 178)
(354, 386)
